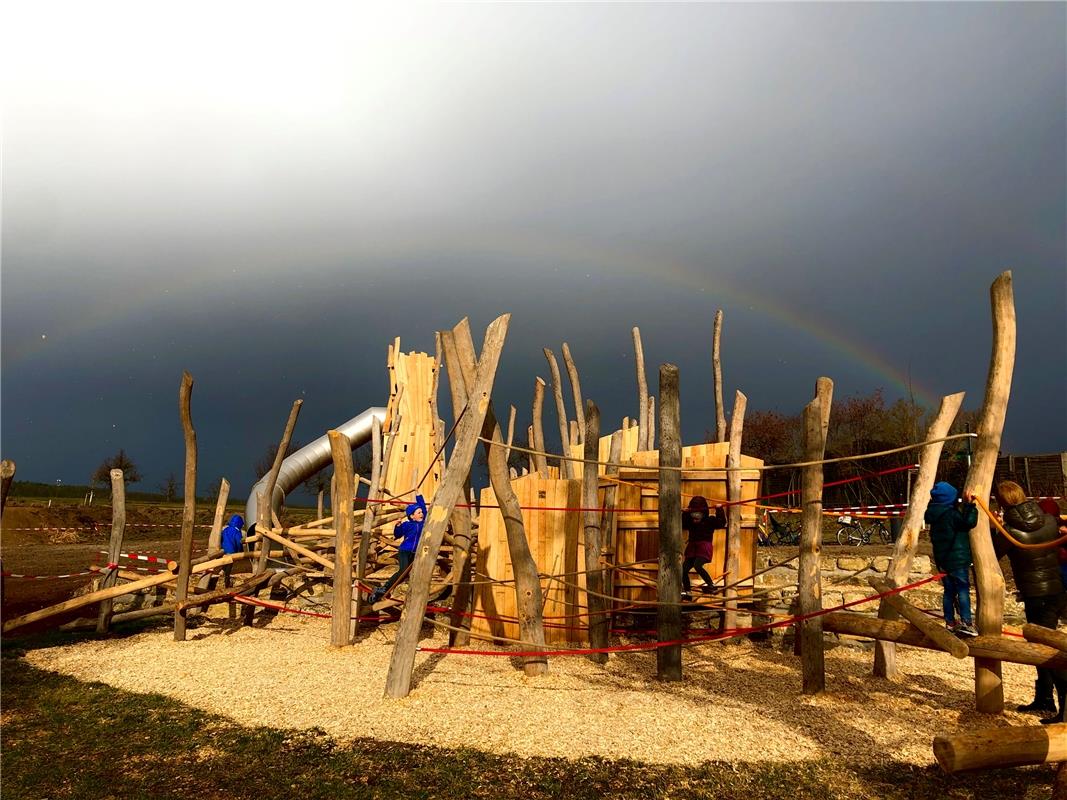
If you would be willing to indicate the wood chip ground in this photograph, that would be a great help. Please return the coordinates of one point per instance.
(739, 702)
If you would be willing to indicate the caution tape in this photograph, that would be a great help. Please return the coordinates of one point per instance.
(7, 574)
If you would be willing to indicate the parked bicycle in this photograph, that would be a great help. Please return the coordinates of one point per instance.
(782, 532)
(853, 531)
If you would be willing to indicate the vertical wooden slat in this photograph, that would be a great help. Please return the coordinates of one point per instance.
(642, 391)
(341, 624)
(668, 613)
(118, 527)
(733, 496)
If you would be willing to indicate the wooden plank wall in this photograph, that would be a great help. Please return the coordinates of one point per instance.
(555, 542)
(415, 445)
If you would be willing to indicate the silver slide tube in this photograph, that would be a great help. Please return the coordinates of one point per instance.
(309, 459)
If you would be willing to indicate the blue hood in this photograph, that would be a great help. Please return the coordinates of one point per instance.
(943, 494)
(237, 521)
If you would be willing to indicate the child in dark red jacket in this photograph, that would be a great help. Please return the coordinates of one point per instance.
(701, 525)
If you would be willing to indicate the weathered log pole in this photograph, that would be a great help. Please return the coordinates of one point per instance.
(225, 593)
(669, 584)
(642, 391)
(809, 594)
(576, 391)
(532, 466)
(263, 509)
(341, 624)
(1039, 634)
(185, 549)
(214, 539)
(462, 530)
(608, 521)
(299, 549)
(885, 664)
(398, 682)
(594, 576)
(511, 433)
(527, 582)
(733, 511)
(988, 684)
(538, 428)
(1001, 747)
(999, 648)
(567, 469)
(651, 443)
(118, 528)
(113, 591)
(368, 516)
(933, 630)
(716, 372)
(7, 475)
(319, 504)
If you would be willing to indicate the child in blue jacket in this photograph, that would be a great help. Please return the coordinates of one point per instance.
(409, 531)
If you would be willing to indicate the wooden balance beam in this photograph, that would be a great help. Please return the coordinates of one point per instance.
(1001, 747)
(933, 630)
(999, 648)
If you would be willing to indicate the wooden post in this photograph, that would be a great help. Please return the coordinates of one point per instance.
(369, 514)
(651, 422)
(118, 527)
(461, 517)
(527, 582)
(669, 612)
(7, 474)
(594, 576)
(185, 550)
(809, 594)
(398, 682)
(263, 510)
(214, 540)
(733, 511)
(1002, 747)
(318, 505)
(988, 686)
(538, 429)
(885, 661)
(511, 433)
(716, 366)
(642, 391)
(341, 624)
(529, 443)
(576, 390)
(607, 525)
(567, 469)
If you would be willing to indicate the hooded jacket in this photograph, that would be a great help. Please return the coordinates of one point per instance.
(232, 538)
(701, 533)
(1037, 572)
(948, 534)
(409, 528)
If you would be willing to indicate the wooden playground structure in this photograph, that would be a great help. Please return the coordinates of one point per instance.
(590, 533)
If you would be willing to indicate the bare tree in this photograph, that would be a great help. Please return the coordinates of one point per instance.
(102, 474)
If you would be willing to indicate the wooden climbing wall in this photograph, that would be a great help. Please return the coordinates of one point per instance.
(555, 543)
(637, 532)
(411, 418)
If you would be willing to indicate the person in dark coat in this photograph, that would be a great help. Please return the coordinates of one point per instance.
(949, 523)
(1038, 580)
(697, 519)
(409, 531)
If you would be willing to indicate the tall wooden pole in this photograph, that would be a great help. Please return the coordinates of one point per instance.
(988, 686)
(7, 474)
(538, 429)
(263, 510)
(733, 512)
(567, 469)
(642, 391)
(341, 624)
(669, 612)
(716, 364)
(318, 506)
(118, 527)
(594, 576)
(815, 420)
(885, 655)
(369, 515)
(398, 682)
(651, 443)
(214, 540)
(185, 550)
(511, 433)
(608, 521)
(527, 582)
(462, 529)
(576, 390)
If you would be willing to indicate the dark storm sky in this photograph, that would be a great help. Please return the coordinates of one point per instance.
(266, 195)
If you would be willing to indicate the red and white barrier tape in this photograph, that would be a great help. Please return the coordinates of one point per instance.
(7, 574)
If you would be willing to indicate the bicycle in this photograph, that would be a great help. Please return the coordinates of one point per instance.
(783, 532)
(853, 532)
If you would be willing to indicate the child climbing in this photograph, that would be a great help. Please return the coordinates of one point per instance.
(410, 531)
(952, 553)
(701, 525)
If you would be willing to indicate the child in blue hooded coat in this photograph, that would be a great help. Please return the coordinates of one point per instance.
(409, 531)
(232, 538)
(952, 553)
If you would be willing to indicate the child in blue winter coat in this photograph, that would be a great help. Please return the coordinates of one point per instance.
(949, 536)
(409, 531)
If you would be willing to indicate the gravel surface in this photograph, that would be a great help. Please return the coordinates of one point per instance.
(739, 702)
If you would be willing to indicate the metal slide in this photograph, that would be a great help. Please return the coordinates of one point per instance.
(309, 459)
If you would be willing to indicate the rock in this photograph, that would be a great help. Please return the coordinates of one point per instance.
(852, 563)
(920, 565)
(881, 563)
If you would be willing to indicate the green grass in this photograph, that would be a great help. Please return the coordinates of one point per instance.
(64, 738)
